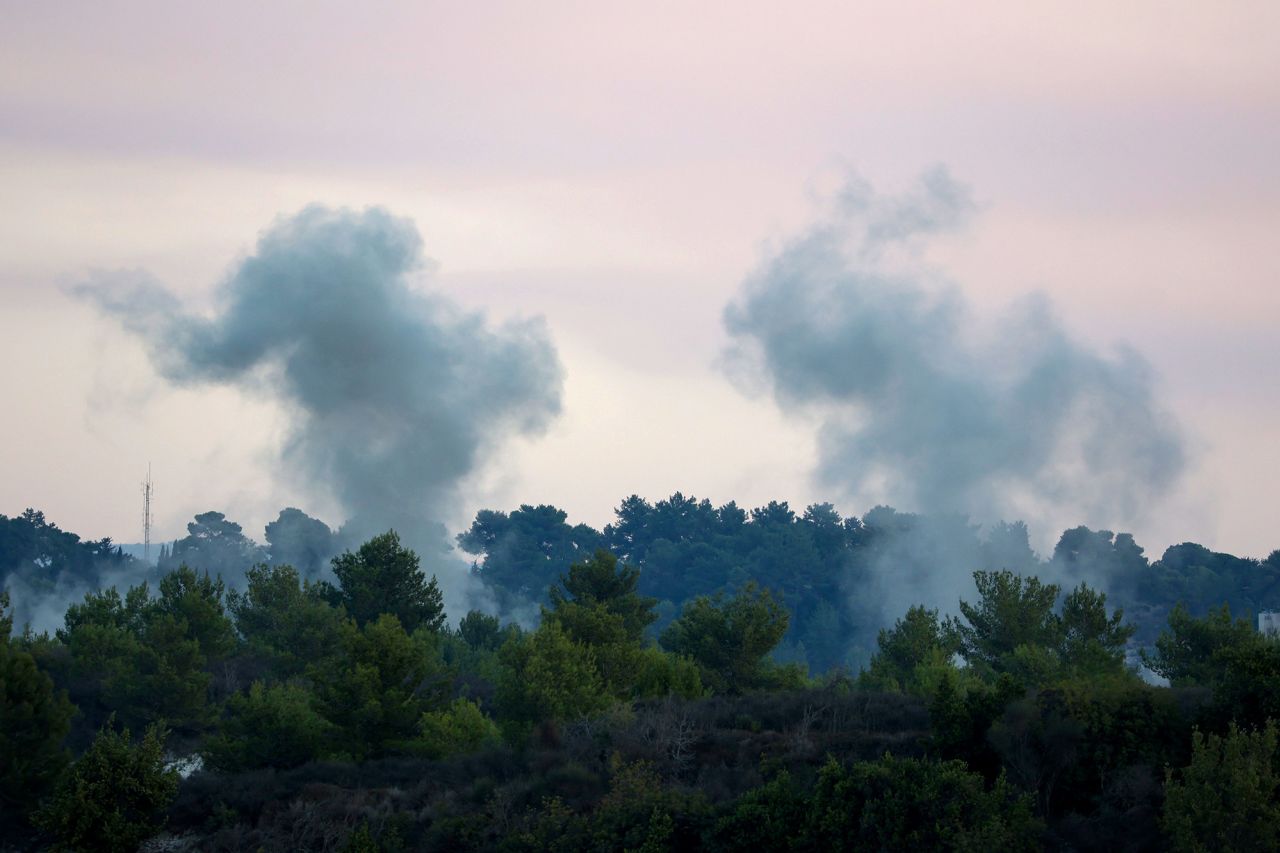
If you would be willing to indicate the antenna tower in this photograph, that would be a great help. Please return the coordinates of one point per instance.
(146, 516)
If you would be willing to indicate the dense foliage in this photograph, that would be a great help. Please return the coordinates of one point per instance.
(689, 683)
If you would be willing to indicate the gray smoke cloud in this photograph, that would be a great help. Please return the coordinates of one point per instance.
(395, 394)
(926, 405)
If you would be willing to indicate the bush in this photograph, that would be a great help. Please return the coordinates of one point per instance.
(34, 719)
(267, 727)
(1226, 798)
(912, 804)
(114, 796)
(462, 727)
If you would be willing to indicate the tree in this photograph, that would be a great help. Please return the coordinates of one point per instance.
(285, 620)
(267, 726)
(911, 654)
(523, 552)
(461, 727)
(296, 539)
(772, 816)
(196, 601)
(546, 676)
(214, 544)
(597, 605)
(1247, 687)
(1037, 737)
(1012, 611)
(36, 550)
(142, 659)
(1092, 642)
(383, 577)
(114, 796)
(601, 581)
(1013, 630)
(911, 804)
(34, 719)
(1189, 652)
(729, 639)
(376, 691)
(480, 630)
(1227, 798)
(1090, 746)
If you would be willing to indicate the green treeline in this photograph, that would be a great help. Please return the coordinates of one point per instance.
(341, 710)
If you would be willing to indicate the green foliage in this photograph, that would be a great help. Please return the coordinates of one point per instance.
(1240, 665)
(911, 804)
(1190, 651)
(602, 582)
(34, 719)
(377, 689)
(285, 620)
(770, 817)
(605, 634)
(637, 814)
(461, 727)
(145, 659)
(1043, 698)
(42, 554)
(1037, 738)
(600, 608)
(383, 577)
(480, 630)
(890, 804)
(525, 551)
(1127, 731)
(683, 548)
(911, 656)
(268, 726)
(1227, 798)
(546, 675)
(296, 539)
(729, 639)
(166, 680)
(659, 673)
(1012, 611)
(361, 841)
(962, 711)
(1013, 630)
(114, 796)
(195, 602)
(1248, 688)
(1203, 579)
(213, 544)
(1091, 641)
(640, 813)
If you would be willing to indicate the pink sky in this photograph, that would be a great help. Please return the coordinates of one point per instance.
(619, 169)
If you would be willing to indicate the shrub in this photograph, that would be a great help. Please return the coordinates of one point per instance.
(114, 796)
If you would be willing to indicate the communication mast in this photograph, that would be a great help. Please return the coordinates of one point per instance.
(146, 516)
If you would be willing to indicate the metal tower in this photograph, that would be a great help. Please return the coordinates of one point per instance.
(146, 516)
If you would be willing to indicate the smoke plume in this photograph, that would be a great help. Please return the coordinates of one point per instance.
(927, 406)
(395, 394)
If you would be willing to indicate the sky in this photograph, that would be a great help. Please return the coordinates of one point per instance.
(620, 170)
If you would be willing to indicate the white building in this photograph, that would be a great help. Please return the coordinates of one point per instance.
(1269, 623)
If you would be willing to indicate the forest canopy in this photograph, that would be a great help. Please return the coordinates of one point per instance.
(689, 676)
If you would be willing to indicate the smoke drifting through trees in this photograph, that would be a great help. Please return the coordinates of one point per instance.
(924, 404)
(395, 394)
